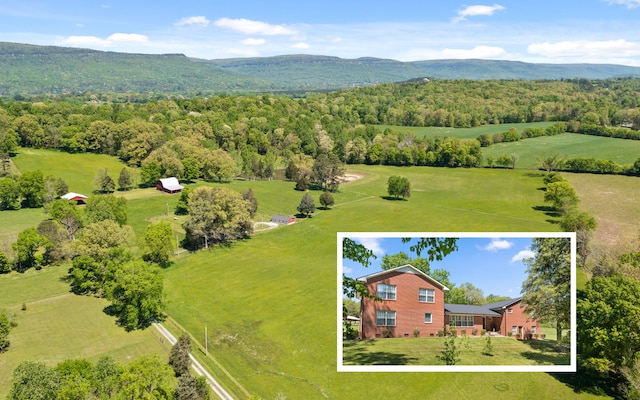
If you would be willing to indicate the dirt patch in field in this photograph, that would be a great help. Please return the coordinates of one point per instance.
(346, 178)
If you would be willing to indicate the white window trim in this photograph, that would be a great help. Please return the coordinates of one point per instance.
(426, 295)
(463, 318)
(386, 317)
(430, 318)
(386, 292)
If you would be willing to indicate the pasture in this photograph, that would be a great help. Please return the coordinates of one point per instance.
(58, 325)
(270, 302)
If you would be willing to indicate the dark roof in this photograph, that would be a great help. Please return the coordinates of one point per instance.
(503, 303)
(486, 309)
(469, 309)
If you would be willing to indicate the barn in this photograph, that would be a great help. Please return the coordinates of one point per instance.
(283, 219)
(77, 197)
(169, 185)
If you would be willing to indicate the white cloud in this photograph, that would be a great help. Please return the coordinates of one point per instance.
(522, 255)
(497, 244)
(628, 3)
(347, 270)
(250, 27)
(94, 41)
(197, 21)
(300, 46)
(373, 244)
(128, 37)
(476, 52)
(254, 42)
(88, 41)
(472, 11)
(586, 48)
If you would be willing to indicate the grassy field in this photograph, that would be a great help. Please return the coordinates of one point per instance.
(58, 325)
(424, 351)
(77, 170)
(530, 151)
(270, 302)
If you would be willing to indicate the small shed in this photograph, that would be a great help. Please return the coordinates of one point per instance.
(283, 219)
(169, 185)
(77, 197)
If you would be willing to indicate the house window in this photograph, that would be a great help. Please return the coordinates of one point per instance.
(510, 310)
(461, 320)
(533, 330)
(385, 318)
(427, 296)
(514, 330)
(427, 318)
(386, 292)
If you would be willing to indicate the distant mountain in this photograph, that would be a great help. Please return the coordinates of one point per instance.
(28, 69)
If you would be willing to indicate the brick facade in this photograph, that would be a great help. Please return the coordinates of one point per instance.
(518, 318)
(409, 310)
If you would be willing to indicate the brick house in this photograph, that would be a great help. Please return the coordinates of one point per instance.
(413, 301)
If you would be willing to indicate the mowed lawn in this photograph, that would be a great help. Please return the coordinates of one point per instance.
(425, 352)
(58, 325)
(270, 303)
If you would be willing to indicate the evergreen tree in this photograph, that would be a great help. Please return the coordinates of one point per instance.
(124, 179)
(179, 358)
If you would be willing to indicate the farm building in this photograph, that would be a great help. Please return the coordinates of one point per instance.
(77, 197)
(169, 185)
(412, 301)
(283, 219)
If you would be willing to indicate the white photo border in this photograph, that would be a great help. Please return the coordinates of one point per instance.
(571, 367)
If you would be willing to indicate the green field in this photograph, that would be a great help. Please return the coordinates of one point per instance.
(530, 151)
(270, 302)
(58, 325)
(424, 352)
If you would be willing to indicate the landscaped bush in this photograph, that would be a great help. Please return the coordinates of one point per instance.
(416, 333)
(509, 334)
(463, 332)
(474, 331)
(441, 333)
(483, 332)
(387, 333)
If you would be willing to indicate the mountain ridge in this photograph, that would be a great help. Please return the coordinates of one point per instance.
(33, 69)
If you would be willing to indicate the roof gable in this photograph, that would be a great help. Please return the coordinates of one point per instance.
(503, 304)
(405, 269)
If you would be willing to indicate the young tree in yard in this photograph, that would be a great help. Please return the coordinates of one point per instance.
(160, 243)
(326, 199)
(179, 358)
(487, 350)
(104, 183)
(136, 295)
(217, 215)
(398, 186)
(546, 290)
(450, 353)
(307, 205)
(124, 179)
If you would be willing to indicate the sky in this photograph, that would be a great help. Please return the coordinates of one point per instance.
(491, 263)
(541, 31)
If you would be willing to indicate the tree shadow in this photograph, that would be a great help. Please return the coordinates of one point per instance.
(588, 381)
(377, 358)
(393, 198)
(548, 210)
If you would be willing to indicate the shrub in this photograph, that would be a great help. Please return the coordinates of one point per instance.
(487, 350)
(543, 336)
(483, 332)
(416, 333)
(463, 332)
(474, 331)
(440, 333)
(517, 336)
(509, 334)
(387, 333)
(535, 335)
(453, 332)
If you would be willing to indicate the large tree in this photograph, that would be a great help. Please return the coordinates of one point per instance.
(561, 195)
(9, 194)
(307, 205)
(395, 260)
(33, 380)
(179, 358)
(399, 186)
(29, 249)
(103, 207)
(32, 189)
(217, 215)
(137, 295)
(547, 289)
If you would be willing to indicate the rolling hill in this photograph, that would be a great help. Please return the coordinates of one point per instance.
(29, 69)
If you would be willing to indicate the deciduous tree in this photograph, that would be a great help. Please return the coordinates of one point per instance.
(561, 195)
(326, 199)
(546, 290)
(9, 194)
(307, 205)
(29, 249)
(159, 243)
(124, 179)
(33, 380)
(398, 186)
(103, 207)
(32, 189)
(395, 260)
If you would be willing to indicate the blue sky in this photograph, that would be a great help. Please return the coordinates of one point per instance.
(594, 31)
(492, 263)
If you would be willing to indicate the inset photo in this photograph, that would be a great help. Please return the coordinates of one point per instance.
(468, 302)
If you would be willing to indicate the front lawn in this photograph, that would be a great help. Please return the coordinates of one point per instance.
(424, 351)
